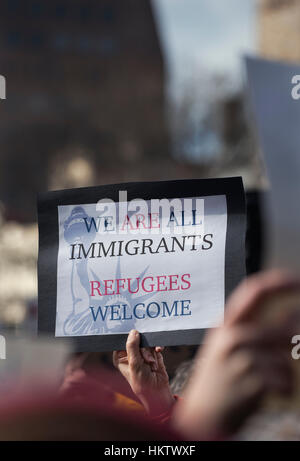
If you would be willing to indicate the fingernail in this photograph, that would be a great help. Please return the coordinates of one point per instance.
(134, 333)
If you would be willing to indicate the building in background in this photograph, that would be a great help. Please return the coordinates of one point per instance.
(279, 29)
(85, 97)
(85, 105)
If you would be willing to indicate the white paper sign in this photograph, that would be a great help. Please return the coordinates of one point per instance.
(148, 271)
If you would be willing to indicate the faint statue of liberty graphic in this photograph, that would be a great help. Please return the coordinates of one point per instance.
(80, 321)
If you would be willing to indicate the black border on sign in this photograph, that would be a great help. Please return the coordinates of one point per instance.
(49, 241)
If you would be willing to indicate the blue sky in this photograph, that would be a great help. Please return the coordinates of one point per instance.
(205, 36)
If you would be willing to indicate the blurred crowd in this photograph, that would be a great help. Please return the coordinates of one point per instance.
(89, 102)
(241, 377)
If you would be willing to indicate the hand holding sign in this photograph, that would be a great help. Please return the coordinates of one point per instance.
(145, 371)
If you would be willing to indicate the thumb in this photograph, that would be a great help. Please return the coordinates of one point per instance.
(133, 349)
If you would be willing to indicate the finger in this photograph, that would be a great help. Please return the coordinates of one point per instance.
(148, 356)
(115, 359)
(121, 354)
(133, 350)
(119, 357)
(264, 338)
(160, 359)
(247, 300)
(154, 367)
(160, 362)
(159, 348)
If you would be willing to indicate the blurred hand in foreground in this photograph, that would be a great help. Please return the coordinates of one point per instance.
(242, 361)
(145, 371)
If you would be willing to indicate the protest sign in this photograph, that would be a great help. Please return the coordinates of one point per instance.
(276, 109)
(159, 257)
(273, 91)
